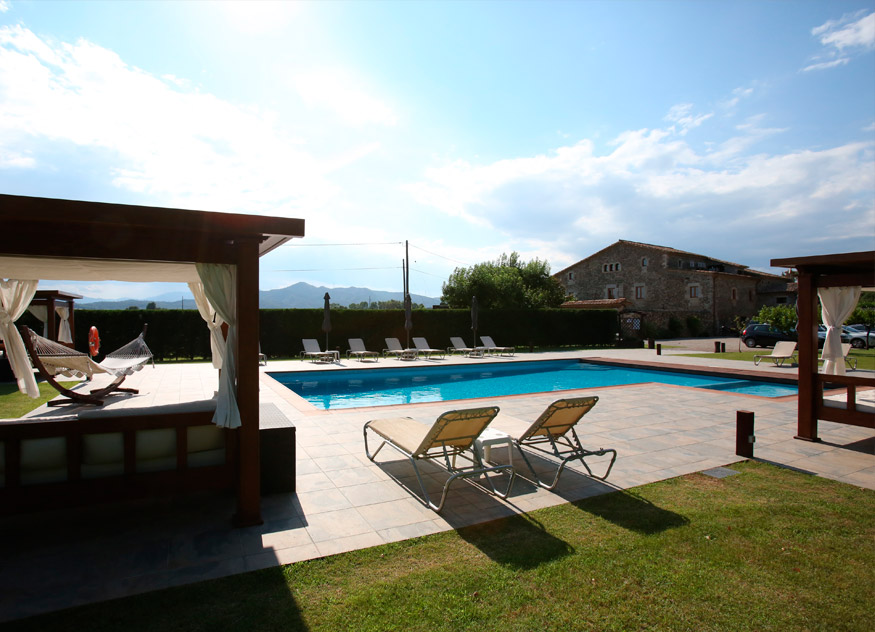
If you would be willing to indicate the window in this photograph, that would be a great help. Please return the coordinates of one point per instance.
(643, 262)
(618, 266)
(571, 276)
(781, 300)
(694, 291)
(750, 295)
(701, 265)
(639, 291)
(611, 291)
(680, 263)
(605, 268)
(733, 294)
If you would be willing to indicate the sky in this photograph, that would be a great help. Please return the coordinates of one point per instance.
(744, 131)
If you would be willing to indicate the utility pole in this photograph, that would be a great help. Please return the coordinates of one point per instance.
(407, 268)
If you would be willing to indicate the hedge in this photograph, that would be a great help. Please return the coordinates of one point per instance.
(182, 334)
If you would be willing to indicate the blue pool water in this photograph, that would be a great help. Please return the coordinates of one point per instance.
(384, 387)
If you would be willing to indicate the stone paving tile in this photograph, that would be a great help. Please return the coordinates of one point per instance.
(374, 493)
(279, 557)
(349, 543)
(336, 524)
(395, 513)
(325, 500)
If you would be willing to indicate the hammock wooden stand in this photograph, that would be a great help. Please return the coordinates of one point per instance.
(95, 397)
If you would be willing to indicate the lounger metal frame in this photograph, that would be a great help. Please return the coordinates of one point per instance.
(448, 453)
(561, 446)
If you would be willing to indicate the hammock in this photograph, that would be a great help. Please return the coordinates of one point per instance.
(52, 358)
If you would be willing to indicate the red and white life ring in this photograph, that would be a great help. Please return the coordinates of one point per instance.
(93, 341)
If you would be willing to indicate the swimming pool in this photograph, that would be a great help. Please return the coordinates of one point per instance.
(385, 387)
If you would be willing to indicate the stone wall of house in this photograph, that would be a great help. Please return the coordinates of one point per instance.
(662, 285)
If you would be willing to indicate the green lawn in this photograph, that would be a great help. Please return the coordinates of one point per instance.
(769, 549)
(865, 357)
(14, 404)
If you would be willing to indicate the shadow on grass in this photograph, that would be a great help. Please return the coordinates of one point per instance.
(519, 542)
(621, 507)
(630, 511)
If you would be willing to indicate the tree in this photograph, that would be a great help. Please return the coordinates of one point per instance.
(782, 317)
(507, 282)
(151, 305)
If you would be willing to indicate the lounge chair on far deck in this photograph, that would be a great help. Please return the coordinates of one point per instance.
(784, 350)
(422, 346)
(357, 349)
(450, 437)
(846, 354)
(394, 348)
(313, 353)
(459, 346)
(492, 348)
(555, 428)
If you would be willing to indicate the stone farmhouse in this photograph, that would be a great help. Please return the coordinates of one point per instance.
(651, 285)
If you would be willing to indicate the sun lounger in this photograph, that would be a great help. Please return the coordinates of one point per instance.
(554, 430)
(459, 347)
(394, 348)
(313, 353)
(492, 348)
(784, 350)
(422, 347)
(449, 438)
(357, 349)
(846, 354)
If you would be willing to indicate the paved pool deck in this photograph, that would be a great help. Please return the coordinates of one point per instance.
(58, 559)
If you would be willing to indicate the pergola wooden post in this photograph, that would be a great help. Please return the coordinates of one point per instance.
(249, 490)
(52, 235)
(838, 270)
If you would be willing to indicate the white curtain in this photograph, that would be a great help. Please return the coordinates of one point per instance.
(42, 314)
(214, 322)
(837, 303)
(15, 296)
(220, 287)
(64, 333)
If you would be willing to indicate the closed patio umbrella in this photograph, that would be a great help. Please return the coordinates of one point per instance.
(475, 309)
(326, 318)
(408, 317)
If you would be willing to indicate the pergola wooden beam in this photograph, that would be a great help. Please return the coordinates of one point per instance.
(71, 229)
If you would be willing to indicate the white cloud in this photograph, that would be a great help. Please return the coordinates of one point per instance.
(172, 144)
(4, 6)
(682, 115)
(853, 33)
(850, 31)
(826, 65)
(338, 92)
(652, 186)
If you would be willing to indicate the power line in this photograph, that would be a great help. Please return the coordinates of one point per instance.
(440, 276)
(336, 269)
(364, 243)
(441, 256)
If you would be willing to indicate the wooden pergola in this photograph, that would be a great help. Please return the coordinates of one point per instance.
(838, 270)
(54, 230)
(51, 299)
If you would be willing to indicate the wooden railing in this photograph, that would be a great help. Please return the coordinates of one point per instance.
(851, 413)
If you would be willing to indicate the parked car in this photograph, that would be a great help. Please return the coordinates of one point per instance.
(860, 340)
(821, 335)
(762, 335)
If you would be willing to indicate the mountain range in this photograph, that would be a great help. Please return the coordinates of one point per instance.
(299, 295)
